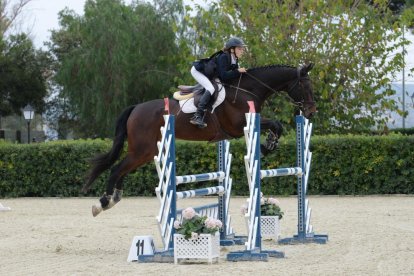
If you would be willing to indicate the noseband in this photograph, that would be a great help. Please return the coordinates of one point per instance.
(302, 103)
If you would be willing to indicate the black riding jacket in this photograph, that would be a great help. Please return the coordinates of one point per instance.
(226, 70)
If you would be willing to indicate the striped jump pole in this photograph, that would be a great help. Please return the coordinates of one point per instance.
(201, 192)
(200, 177)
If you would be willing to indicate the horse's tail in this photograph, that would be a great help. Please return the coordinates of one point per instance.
(104, 161)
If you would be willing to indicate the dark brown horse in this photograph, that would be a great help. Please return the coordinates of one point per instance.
(140, 124)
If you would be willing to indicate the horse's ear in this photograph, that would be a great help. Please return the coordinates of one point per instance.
(306, 68)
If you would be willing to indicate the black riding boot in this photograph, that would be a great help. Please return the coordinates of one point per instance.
(198, 118)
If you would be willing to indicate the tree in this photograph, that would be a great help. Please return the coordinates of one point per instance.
(9, 15)
(111, 57)
(21, 66)
(352, 43)
(22, 75)
(407, 14)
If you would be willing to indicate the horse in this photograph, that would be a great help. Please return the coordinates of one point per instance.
(140, 124)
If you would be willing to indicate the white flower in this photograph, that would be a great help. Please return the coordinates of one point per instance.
(194, 235)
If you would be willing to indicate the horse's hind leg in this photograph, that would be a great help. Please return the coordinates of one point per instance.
(113, 196)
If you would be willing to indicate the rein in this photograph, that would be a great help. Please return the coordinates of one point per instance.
(290, 88)
(241, 89)
(298, 104)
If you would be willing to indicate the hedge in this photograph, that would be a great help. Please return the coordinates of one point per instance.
(344, 165)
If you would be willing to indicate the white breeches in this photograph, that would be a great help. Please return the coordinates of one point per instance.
(203, 80)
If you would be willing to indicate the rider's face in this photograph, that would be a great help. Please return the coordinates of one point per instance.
(239, 51)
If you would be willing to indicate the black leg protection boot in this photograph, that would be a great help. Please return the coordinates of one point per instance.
(198, 118)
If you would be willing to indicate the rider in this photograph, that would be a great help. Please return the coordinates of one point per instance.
(227, 68)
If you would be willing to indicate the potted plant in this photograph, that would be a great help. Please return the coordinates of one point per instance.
(196, 237)
(270, 215)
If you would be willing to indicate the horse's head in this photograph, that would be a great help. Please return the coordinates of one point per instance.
(301, 92)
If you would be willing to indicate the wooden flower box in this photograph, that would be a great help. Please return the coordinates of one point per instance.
(206, 246)
(270, 227)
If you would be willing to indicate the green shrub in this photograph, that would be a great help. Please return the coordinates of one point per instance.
(340, 165)
(406, 131)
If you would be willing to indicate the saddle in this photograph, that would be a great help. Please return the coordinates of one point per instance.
(196, 91)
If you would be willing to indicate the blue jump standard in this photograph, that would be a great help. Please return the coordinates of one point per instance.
(158, 257)
(310, 238)
(254, 255)
(305, 233)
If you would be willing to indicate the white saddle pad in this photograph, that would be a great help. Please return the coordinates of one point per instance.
(187, 106)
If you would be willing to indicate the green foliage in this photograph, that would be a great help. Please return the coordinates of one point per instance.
(363, 165)
(344, 165)
(22, 75)
(112, 57)
(407, 16)
(407, 131)
(45, 169)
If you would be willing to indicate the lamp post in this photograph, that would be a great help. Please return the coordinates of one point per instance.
(403, 82)
(28, 113)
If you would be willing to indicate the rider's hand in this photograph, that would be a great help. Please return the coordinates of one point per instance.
(242, 70)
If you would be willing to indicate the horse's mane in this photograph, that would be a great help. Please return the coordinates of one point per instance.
(283, 70)
(271, 66)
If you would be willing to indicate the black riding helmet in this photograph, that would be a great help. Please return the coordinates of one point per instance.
(234, 42)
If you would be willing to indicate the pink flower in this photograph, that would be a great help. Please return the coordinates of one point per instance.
(219, 224)
(274, 201)
(210, 223)
(194, 235)
(189, 213)
(262, 201)
(177, 224)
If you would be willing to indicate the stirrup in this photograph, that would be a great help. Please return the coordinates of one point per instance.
(198, 121)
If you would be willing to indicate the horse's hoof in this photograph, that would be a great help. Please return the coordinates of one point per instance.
(117, 195)
(96, 210)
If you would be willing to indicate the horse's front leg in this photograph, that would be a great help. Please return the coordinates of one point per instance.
(275, 130)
